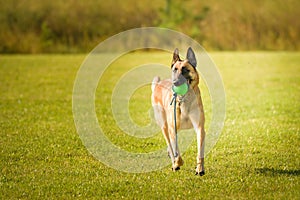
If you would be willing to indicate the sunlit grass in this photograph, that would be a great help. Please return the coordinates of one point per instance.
(42, 156)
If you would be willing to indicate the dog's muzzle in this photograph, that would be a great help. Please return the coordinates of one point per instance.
(179, 81)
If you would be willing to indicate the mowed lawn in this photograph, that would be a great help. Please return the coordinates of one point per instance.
(42, 156)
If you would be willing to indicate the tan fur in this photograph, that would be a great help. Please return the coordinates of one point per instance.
(189, 111)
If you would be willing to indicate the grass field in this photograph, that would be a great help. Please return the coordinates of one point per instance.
(257, 155)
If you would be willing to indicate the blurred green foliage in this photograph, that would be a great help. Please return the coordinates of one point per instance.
(32, 26)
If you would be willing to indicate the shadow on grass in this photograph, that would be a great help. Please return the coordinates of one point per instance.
(274, 172)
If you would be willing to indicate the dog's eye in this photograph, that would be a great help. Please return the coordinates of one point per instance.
(175, 69)
(185, 70)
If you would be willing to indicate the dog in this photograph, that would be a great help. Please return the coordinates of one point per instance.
(189, 112)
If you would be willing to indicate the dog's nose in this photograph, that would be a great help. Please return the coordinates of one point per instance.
(179, 81)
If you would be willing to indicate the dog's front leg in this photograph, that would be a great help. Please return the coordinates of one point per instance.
(174, 150)
(200, 147)
(169, 143)
(197, 119)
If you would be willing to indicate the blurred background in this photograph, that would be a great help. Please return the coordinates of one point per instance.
(73, 26)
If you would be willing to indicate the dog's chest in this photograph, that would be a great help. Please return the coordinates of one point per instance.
(185, 110)
(186, 103)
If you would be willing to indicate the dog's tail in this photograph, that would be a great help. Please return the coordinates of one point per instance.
(155, 81)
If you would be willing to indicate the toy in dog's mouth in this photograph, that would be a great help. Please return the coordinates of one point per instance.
(180, 85)
(181, 89)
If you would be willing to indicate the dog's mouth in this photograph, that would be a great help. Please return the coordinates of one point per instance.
(180, 80)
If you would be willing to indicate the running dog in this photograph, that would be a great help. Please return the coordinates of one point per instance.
(189, 112)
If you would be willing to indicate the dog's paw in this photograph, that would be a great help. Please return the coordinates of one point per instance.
(200, 173)
(200, 167)
(174, 169)
(178, 161)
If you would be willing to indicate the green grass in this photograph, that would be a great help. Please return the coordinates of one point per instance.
(256, 157)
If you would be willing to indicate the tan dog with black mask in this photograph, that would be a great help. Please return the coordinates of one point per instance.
(189, 112)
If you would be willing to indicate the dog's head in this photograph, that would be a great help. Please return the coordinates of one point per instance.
(184, 70)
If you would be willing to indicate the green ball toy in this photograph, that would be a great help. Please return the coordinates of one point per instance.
(181, 89)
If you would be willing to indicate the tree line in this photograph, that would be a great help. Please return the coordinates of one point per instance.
(72, 26)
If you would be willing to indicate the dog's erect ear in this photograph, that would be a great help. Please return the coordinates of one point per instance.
(190, 56)
(175, 57)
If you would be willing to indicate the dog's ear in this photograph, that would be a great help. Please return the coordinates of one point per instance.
(190, 56)
(175, 57)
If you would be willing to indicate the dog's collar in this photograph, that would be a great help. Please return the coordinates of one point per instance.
(178, 98)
